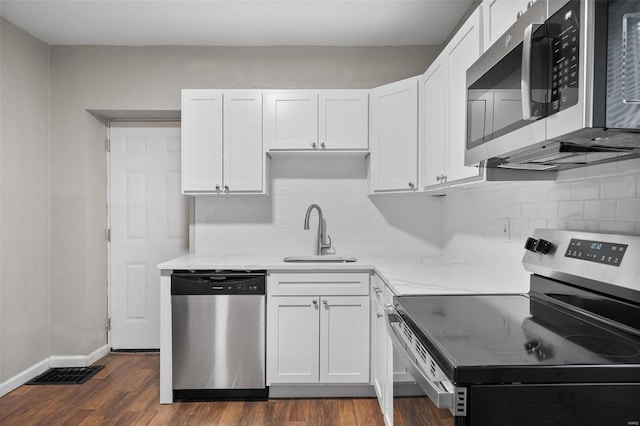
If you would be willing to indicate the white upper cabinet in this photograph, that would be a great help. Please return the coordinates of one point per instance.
(499, 15)
(244, 159)
(343, 119)
(292, 120)
(434, 102)
(394, 136)
(317, 120)
(201, 140)
(217, 161)
(443, 109)
(463, 50)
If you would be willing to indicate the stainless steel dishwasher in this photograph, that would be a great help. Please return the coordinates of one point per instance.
(218, 324)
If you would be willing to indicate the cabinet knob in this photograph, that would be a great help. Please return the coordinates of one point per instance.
(314, 145)
(322, 145)
(217, 187)
(377, 290)
(379, 315)
(315, 302)
(325, 303)
(411, 185)
(226, 187)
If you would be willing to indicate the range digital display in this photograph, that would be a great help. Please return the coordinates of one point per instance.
(596, 251)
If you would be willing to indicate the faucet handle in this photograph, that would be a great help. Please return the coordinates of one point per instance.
(327, 245)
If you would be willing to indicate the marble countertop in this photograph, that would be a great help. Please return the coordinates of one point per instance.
(405, 275)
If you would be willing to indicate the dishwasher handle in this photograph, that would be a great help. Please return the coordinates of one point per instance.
(186, 284)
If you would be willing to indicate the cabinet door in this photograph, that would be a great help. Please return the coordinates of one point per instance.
(292, 339)
(343, 119)
(292, 120)
(379, 346)
(243, 154)
(344, 339)
(499, 15)
(394, 136)
(201, 134)
(463, 50)
(433, 107)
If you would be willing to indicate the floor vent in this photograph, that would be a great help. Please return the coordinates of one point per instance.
(66, 376)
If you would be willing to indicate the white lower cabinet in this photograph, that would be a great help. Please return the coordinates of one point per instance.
(321, 338)
(386, 368)
(293, 342)
(381, 353)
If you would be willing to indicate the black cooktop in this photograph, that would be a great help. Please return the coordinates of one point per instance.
(519, 338)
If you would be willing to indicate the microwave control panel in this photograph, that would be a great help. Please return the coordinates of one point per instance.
(563, 29)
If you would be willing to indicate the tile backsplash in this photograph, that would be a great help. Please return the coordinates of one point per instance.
(599, 198)
(465, 225)
(357, 222)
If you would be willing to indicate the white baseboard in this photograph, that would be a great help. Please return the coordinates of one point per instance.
(23, 377)
(97, 354)
(61, 361)
(52, 362)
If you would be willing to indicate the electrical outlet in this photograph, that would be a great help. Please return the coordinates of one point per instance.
(506, 230)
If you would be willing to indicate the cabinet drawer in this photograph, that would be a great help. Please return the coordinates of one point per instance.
(318, 284)
(380, 292)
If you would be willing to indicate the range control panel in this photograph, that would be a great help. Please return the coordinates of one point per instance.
(596, 251)
(587, 259)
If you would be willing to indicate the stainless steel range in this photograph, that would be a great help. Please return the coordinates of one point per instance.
(566, 353)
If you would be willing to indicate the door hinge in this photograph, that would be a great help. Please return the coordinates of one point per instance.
(108, 323)
(108, 235)
(107, 143)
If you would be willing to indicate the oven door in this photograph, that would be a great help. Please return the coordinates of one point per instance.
(433, 387)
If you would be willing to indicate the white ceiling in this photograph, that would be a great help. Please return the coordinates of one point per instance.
(237, 22)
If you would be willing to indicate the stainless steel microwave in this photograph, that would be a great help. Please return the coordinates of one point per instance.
(560, 89)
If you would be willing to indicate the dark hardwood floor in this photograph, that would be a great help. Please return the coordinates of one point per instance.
(126, 392)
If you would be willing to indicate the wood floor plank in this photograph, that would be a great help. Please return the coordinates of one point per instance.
(126, 392)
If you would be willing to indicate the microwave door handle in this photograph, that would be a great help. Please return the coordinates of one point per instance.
(525, 86)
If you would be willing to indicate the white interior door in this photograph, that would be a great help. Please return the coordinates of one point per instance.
(149, 224)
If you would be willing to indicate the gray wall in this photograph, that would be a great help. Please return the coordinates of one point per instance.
(24, 201)
(150, 78)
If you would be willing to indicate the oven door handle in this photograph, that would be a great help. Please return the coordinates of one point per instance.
(525, 83)
(441, 393)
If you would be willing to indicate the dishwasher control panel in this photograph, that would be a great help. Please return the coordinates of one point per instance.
(218, 283)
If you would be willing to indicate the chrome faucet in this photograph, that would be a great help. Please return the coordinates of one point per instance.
(321, 230)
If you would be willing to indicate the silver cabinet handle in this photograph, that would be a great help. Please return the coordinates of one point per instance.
(378, 290)
(314, 145)
(322, 145)
(379, 315)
